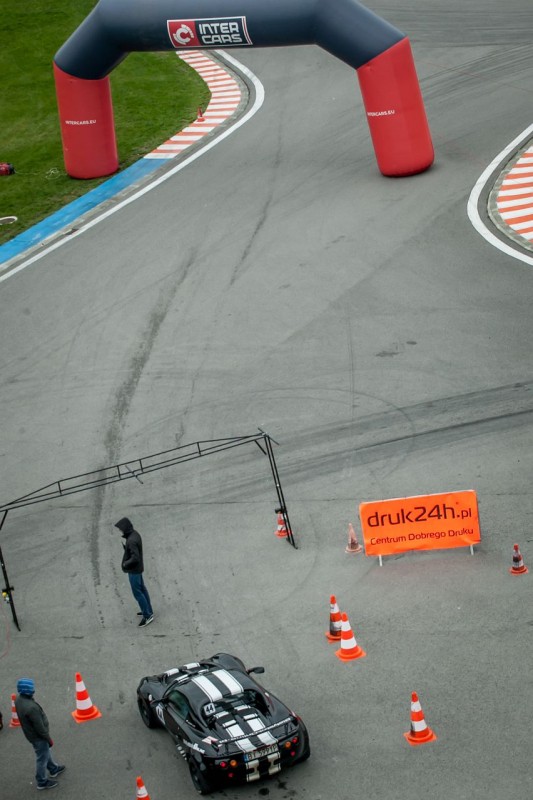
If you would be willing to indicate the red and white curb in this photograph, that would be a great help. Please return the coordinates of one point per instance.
(486, 195)
(514, 197)
(234, 123)
(226, 97)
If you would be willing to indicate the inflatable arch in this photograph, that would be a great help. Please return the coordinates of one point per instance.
(380, 54)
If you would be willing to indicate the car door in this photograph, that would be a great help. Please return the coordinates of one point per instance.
(176, 712)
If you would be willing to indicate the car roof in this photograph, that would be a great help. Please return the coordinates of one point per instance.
(202, 683)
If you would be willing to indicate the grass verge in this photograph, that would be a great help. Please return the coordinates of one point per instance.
(154, 95)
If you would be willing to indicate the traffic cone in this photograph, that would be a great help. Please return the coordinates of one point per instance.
(335, 622)
(14, 721)
(349, 648)
(84, 707)
(141, 790)
(518, 568)
(353, 544)
(419, 733)
(282, 528)
(200, 116)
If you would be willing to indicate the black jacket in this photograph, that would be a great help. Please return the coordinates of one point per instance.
(132, 560)
(32, 718)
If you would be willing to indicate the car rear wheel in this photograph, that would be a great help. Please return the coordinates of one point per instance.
(200, 782)
(147, 715)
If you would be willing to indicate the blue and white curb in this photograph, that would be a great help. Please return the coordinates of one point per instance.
(226, 97)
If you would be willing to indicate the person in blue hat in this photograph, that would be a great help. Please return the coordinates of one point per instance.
(35, 727)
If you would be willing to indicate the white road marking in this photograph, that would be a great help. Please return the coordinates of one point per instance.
(258, 102)
(472, 207)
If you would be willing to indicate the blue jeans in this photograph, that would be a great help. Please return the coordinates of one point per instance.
(44, 761)
(140, 593)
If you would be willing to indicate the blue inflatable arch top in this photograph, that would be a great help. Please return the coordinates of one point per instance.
(379, 53)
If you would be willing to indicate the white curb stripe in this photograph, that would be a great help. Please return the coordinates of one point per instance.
(218, 81)
(473, 200)
(258, 102)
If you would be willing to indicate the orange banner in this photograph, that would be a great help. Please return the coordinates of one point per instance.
(426, 522)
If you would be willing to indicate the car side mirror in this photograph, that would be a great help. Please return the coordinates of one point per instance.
(258, 670)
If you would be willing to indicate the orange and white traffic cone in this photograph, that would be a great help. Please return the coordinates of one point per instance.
(141, 790)
(353, 544)
(282, 528)
(200, 116)
(349, 648)
(419, 733)
(14, 722)
(518, 568)
(85, 710)
(335, 622)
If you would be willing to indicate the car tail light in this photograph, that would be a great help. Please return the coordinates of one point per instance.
(226, 764)
(294, 740)
(287, 744)
(293, 753)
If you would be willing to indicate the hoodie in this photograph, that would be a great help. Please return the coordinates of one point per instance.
(132, 560)
(32, 718)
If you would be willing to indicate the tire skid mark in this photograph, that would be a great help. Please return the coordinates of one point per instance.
(124, 397)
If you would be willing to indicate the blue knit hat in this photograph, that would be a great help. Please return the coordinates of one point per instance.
(25, 686)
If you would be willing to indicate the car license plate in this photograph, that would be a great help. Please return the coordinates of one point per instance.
(263, 751)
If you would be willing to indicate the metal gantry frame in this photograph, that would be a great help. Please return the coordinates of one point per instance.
(141, 466)
(7, 591)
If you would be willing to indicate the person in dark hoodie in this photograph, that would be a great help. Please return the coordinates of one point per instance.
(133, 565)
(35, 728)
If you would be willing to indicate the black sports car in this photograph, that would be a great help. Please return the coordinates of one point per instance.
(225, 725)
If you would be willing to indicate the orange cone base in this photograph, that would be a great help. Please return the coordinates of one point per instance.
(281, 534)
(353, 548)
(427, 736)
(333, 637)
(357, 653)
(518, 570)
(85, 716)
(14, 724)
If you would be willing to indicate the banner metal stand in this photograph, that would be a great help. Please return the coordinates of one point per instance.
(141, 466)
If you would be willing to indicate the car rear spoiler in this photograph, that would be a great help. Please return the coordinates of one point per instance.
(218, 744)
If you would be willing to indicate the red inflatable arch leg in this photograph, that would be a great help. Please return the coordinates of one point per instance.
(395, 112)
(87, 125)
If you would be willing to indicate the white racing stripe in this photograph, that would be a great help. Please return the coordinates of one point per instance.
(228, 680)
(257, 725)
(170, 672)
(234, 729)
(209, 688)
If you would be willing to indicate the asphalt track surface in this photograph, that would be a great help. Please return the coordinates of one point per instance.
(281, 282)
